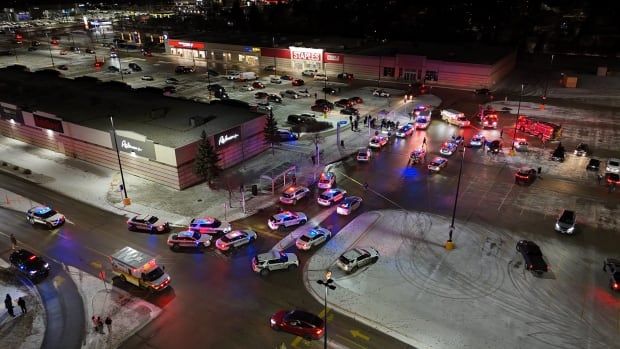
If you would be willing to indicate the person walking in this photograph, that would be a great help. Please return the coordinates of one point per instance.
(356, 123)
(366, 120)
(100, 325)
(8, 303)
(350, 119)
(599, 178)
(365, 186)
(501, 133)
(13, 241)
(424, 141)
(94, 320)
(22, 305)
(294, 178)
(108, 323)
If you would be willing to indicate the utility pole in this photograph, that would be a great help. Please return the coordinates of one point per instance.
(51, 57)
(514, 134)
(328, 283)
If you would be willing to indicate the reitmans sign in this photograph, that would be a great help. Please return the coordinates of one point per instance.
(228, 137)
(141, 147)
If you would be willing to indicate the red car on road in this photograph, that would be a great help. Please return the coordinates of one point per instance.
(298, 82)
(258, 84)
(299, 323)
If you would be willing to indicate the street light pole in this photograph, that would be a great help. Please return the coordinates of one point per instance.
(118, 155)
(51, 57)
(328, 284)
(544, 98)
(449, 244)
(514, 134)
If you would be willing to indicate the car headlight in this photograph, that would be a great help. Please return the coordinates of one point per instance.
(557, 226)
(46, 265)
(273, 322)
(32, 272)
(570, 230)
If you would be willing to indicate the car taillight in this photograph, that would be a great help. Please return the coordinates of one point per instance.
(616, 286)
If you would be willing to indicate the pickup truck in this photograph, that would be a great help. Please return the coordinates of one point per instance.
(532, 256)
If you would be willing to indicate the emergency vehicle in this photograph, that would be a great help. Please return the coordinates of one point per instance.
(139, 268)
(489, 120)
(454, 117)
(546, 131)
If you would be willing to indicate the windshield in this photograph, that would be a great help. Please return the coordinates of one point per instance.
(421, 120)
(325, 196)
(47, 214)
(152, 219)
(344, 259)
(462, 118)
(361, 153)
(287, 195)
(613, 163)
(304, 238)
(153, 274)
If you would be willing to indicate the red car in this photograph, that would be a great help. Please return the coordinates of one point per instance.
(299, 323)
(98, 64)
(258, 84)
(298, 82)
(356, 100)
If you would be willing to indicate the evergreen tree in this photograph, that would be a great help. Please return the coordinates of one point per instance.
(206, 162)
(271, 130)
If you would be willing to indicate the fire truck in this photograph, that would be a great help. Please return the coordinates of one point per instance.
(546, 131)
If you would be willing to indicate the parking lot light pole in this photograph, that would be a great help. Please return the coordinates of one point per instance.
(450, 244)
(51, 56)
(118, 155)
(328, 285)
(514, 134)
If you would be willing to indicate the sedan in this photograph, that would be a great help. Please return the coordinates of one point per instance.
(343, 103)
(380, 93)
(448, 148)
(349, 111)
(532, 256)
(320, 108)
(188, 239)
(261, 95)
(582, 150)
(377, 142)
(235, 239)
(405, 131)
(275, 80)
(258, 84)
(348, 205)
(314, 237)
(525, 175)
(356, 258)
(297, 82)
(29, 264)
(247, 88)
(286, 77)
(299, 323)
(274, 98)
(437, 164)
(147, 78)
(329, 90)
(356, 100)
(172, 81)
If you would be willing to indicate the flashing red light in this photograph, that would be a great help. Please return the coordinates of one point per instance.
(31, 258)
(615, 286)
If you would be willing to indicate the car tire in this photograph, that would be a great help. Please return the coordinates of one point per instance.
(264, 272)
(354, 269)
(302, 222)
(291, 267)
(374, 259)
(174, 247)
(131, 227)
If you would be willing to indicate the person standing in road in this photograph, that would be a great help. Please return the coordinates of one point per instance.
(293, 178)
(100, 325)
(599, 178)
(22, 305)
(356, 123)
(108, 323)
(424, 141)
(501, 133)
(8, 303)
(13, 241)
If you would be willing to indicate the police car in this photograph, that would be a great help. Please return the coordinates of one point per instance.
(356, 258)
(348, 205)
(327, 180)
(148, 223)
(448, 148)
(377, 142)
(423, 120)
(313, 238)
(292, 194)
(405, 131)
(520, 144)
(274, 260)
(363, 154)
(331, 196)
(44, 215)
(235, 239)
(380, 93)
(417, 155)
(437, 164)
(188, 239)
(476, 141)
(209, 225)
(286, 219)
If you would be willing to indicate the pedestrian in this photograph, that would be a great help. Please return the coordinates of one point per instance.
(8, 303)
(350, 119)
(539, 170)
(22, 305)
(357, 117)
(313, 157)
(294, 178)
(13, 241)
(599, 177)
(366, 120)
(94, 320)
(342, 143)
(356, 125)
(365, 186)
(108, 323)
(501, 133)
(397, 124)
(100, 325)
(316, 96)
(424, 141)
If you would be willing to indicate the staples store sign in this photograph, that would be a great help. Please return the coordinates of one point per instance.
(186, 44)
(306, 54)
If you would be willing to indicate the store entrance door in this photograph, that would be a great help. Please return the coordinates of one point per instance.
(409, 75)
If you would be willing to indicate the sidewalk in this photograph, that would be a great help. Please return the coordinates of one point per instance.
(129, 314)
(24, 331)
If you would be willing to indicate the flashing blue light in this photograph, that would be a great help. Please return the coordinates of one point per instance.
(42, 210)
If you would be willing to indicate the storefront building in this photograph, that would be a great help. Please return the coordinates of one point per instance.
(158, 144)
(186, 49)
(219, 56)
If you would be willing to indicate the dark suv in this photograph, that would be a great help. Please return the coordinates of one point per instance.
(532, 256)
(525, 175)
(566, 222)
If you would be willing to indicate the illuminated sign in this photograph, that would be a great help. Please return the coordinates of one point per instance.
(142, 147)
(186, 44)
(306, 54)
(251, 49)
(333, 58)
(48, 123)
(125, 144)
(227, 137)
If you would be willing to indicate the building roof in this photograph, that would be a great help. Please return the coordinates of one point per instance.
(89, 102)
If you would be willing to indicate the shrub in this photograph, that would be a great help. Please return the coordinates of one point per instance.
(313, 127)
(27, 171)
(4, 163)
(16, 167)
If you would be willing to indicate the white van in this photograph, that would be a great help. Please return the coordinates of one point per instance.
(249, 75)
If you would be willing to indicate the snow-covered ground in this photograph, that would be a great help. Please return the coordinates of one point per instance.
(476, 296)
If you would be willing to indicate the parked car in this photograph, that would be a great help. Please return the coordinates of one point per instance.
(215, 87)
(286, 135)
(270, 68)
(290, 94)
(297, 82)
(303, 93)
(212, 73)
(261, 95)
(148, 223)
(246, 88)
(258, 84)
(363, 155)
(356, 258)
(286, 77)
(298, 322)
(582, 150)
(321, 108)
(274, 260)
(349, 111)
(331, 196)
(526, 175)
(235, 239)
(348, 205)
(532, 256)
(320, 76)
(274, 98)
(147, 78)
(313, 237)
(558, 153)
(521, 145)
(308, 72)
(90, 51)
(296, 119)
(380, 93)
(566, 222)
(482, 91)
(329, 90)
(613, 165)
(188, 239)
(343, 103)
(210, 225)
(293, 194)
(356, 100)
(125, 71)
(113, 69)
(593, 165)
(221, 94)
(275, 80)
(612, 267)
(286, 219)
(612, 178)
(345, 76)
(172, 81)
(324, 102)
(29, 264)
(46, 216)
(134, 67)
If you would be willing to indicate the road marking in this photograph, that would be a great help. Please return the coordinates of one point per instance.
(371, 190)
(505, 197)
(58, 280)
(351, 341)
(359, 334)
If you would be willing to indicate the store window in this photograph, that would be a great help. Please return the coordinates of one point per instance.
(431, 75)
(388, 71)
